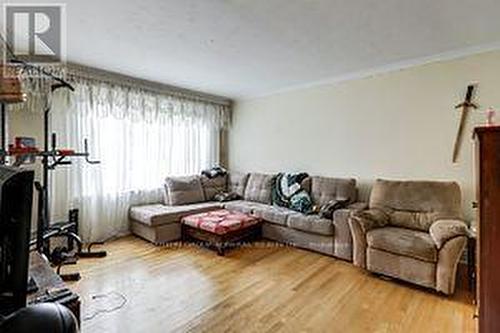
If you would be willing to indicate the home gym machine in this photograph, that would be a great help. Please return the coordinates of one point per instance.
(24, 150)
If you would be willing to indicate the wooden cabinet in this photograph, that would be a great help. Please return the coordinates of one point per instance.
(488, 252)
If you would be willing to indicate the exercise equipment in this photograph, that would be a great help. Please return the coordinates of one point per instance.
(51, 157)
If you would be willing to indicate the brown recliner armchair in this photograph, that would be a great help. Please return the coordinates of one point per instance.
(413, 231)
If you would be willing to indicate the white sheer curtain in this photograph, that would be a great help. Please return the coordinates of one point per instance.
(139, 137)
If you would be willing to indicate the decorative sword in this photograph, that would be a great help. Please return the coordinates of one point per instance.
(465, 106)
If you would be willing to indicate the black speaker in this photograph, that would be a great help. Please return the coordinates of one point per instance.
(16, 196)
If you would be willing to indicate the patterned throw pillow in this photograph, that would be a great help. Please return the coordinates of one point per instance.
(301, 202)
(214, 172)
(326, 210)
(285, 186)
(287, 191)
(226, 196)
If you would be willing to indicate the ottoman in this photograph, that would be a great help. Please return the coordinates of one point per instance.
(221, 229)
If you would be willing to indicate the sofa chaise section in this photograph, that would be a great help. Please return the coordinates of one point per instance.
(159, 223)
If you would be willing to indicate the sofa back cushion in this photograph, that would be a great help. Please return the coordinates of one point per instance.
(237, 181)
(259, 188)
(183, 190)
(417, 204)
(325, 189)
(212, 186)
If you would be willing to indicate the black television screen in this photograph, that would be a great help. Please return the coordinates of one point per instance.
(16, 195)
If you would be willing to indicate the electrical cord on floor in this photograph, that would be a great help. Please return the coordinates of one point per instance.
(112, 309)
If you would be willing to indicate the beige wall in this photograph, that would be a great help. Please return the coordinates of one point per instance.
(396, 125)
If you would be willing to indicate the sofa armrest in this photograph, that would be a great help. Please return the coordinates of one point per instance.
(360, 223)
(358, 242)
(442, 231)
(342, 239)
(446, 269)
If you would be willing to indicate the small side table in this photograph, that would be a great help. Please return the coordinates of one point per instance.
(471, 260)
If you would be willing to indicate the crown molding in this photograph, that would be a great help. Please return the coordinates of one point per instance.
(379, 70)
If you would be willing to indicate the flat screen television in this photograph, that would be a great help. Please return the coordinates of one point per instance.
(16, 195)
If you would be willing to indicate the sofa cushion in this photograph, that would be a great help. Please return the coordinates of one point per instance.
(237, 181)
(405, 242)
(324, 189)
(420, 221)
(158, 214)
(184, 190)
(310, 223)
(240, 206)
(212, 186)
(417, 204)
(259, 187)
(272, 214)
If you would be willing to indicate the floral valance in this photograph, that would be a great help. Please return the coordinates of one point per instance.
(99, 97)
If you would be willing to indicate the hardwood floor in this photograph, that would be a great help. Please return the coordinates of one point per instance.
(253, 289)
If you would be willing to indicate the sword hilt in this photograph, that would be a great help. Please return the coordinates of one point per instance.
(468, 98)
(470, 91)
(467, 104)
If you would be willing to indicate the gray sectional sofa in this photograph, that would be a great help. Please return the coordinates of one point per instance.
(160, 222)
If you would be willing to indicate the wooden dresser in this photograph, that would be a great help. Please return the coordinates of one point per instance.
(488, 252)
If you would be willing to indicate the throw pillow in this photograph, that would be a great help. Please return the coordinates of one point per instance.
(326, 210)
(301, 202)
(214, 172)
(184, 190)
(287, 191)
(212, 186)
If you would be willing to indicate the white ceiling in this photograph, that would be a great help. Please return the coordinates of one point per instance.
(244, 48)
